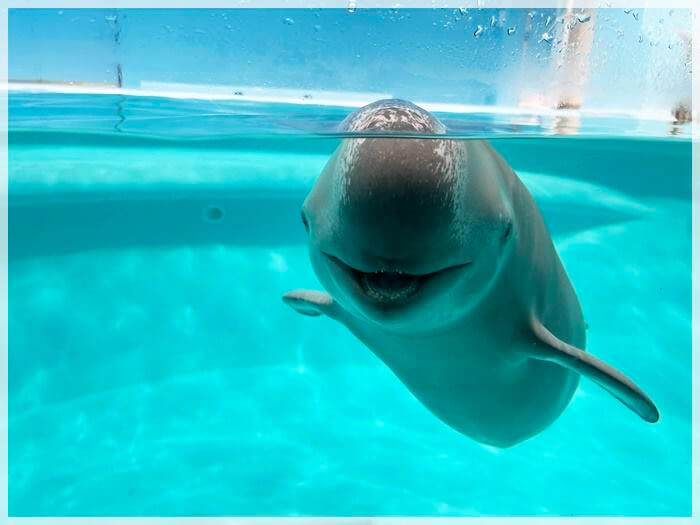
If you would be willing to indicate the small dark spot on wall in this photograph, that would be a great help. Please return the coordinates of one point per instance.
(214, 213)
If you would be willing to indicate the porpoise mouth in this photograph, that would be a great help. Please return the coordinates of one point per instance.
(389, 286)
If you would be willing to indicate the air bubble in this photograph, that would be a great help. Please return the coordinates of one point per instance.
(111, 18)
(479, 30)
(351, 6)
(546, 37)
(493, 21)
(583, 18)
(511, 30)
(636, 16)
(289, 21)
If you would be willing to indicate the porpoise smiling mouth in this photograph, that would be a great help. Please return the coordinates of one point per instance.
(386, 286)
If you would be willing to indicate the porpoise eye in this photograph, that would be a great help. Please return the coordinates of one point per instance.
(303, 219)
(509, 230)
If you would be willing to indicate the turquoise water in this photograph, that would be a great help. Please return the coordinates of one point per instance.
(154, 370)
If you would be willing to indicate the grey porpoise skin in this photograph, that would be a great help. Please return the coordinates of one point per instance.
(435, 256)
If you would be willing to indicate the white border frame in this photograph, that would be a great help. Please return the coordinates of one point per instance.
(359, 4)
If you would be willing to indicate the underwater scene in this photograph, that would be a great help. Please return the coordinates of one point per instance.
(224, 305)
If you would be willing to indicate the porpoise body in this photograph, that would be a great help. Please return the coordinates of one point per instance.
(433, 253)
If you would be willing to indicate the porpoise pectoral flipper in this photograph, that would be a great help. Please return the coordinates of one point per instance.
(313, 303)
(552, 349)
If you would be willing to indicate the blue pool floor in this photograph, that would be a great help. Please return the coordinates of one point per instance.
(174, 381)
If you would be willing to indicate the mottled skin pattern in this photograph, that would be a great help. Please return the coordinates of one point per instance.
(492, 341)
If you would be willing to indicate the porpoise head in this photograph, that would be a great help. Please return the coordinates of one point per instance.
(407, 232)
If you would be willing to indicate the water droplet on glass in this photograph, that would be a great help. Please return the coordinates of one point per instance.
(636, 16)
(493, 20)
(511, 30)
(289, 21)
(583, 18)
(478, 31)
